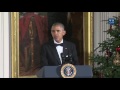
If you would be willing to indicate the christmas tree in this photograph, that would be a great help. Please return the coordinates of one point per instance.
(106, 63)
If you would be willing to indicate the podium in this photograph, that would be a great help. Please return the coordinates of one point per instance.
(82, 71)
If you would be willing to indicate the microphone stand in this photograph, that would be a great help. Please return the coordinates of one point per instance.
(66, 58)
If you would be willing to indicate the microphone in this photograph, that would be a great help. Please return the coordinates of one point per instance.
(67, 58)
(63, 58)
(70, 57)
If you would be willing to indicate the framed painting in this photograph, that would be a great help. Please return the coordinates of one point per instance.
(30, 30)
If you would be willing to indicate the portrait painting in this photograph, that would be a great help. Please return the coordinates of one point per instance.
(33, 32)
(30, 30)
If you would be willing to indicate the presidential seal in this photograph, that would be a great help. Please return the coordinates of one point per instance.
(68, 71)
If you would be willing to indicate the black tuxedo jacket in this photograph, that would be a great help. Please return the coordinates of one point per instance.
(50, 57)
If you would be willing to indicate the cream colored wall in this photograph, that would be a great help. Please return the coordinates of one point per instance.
(4, 44)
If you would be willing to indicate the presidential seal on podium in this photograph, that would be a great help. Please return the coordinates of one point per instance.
(68, 71)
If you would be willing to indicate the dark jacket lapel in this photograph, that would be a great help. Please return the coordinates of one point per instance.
(55, 52)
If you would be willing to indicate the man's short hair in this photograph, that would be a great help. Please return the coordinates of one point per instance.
(59, 24)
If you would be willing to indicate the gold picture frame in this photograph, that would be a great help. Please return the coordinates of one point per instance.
(87, 44)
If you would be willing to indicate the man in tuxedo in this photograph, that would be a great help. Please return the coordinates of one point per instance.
(58, 51)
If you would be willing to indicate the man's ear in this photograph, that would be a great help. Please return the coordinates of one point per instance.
(64, 32)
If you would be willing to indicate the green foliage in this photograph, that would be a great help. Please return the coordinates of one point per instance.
(104, 64)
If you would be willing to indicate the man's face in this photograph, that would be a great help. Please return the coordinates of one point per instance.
(57, 33)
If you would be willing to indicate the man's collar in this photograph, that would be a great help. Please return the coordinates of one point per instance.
(57, 42)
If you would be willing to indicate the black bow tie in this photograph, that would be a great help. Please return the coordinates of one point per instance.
(58, 44)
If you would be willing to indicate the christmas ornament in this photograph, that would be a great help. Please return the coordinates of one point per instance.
(111, 21)
(118, 49)
(116, 61)
(108, 53)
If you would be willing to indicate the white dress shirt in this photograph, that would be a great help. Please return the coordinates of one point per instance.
(59, 49)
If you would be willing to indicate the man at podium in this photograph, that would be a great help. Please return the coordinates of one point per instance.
(58, 51)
